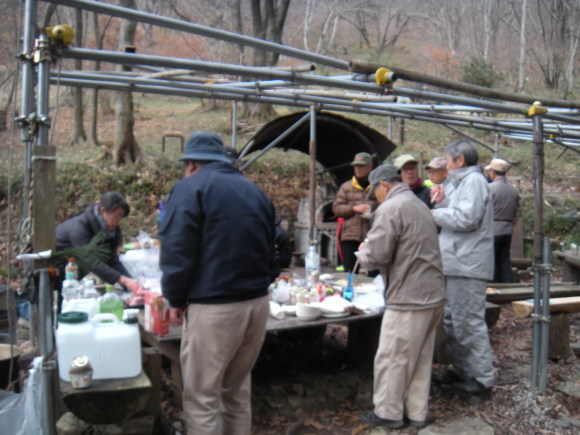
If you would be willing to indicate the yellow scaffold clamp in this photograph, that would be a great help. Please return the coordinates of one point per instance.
(62, 34)
(384, 76)
(536, 109)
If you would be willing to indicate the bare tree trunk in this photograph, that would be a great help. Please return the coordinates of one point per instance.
(79, 135)
(126, 149)
(268, 19)
(522, 62)
(574, 39)
(95, 92)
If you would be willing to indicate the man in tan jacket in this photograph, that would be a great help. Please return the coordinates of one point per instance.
(354, 204)
(403, 245)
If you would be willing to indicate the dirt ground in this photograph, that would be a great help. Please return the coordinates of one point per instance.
(304, 383)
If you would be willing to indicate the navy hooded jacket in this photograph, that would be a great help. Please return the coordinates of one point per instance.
(217, 239)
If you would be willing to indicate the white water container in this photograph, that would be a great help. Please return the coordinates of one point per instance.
(74, 337)
(113, 347)
(85, 305)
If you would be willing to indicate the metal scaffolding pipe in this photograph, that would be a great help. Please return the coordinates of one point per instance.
(339, 105)
(209, 92)
(214, 67)
(276, 141)
(198, 29)
(538, 240)
(312, 175)
(47, 352)
(545, 324)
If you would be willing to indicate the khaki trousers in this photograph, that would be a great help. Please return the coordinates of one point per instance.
(403, 363)
(219, 346)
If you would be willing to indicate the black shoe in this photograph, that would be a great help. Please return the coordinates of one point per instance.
(418, 423)
(472, 388)
(449, 377)
(375, 420)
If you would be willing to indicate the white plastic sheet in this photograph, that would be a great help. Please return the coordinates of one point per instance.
(21, 413)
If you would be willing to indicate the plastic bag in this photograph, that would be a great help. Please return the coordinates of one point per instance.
(21, 413)
(281, 292)
(373, 301)
(142, 264)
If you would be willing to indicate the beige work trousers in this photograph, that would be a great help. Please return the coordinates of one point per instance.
(219, 346)
(403, 361)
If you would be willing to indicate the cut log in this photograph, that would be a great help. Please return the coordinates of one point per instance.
(559, 336)
(557, 305)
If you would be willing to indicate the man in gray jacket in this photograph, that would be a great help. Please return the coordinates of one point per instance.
(403, 245)
(506, 201)
(466, 241)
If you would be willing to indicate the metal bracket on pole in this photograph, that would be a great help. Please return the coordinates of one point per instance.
(543, 268)
(540, 318)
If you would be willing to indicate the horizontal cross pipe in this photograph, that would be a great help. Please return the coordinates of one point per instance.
(398, 108)
(478, 124)
(214, 67)
(306, 79)
(370, 67)
(186, 26)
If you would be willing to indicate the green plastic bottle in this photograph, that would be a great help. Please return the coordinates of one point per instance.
(110, 302)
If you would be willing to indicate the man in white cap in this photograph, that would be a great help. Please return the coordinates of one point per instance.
(353, 200)
(403, 245)
(408, 166)
(217, 257)
(506, 201)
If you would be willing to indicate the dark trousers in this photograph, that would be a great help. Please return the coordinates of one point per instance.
(503, 266)
(349, 247)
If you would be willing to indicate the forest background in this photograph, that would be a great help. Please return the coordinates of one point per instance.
(526, 46)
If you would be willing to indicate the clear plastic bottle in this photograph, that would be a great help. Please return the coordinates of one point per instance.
(89, 291)
(70, 286)
(71, 269)
(312, 262)
(110, 302)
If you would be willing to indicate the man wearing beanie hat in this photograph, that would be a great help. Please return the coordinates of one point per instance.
(403, 245)
(353, 200)
(506, 200)
(217, 258)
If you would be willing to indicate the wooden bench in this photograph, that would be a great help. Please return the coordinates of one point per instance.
(570, 265)
(559, 338)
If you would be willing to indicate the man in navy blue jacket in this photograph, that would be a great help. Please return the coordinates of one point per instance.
(217, 258)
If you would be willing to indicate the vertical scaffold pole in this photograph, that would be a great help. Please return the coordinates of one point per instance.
(545, 325)
(536, 111)
(312, 175)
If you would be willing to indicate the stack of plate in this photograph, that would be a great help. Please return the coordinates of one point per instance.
(307, 312)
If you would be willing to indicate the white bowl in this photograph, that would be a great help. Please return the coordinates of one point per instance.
(308, 317)
(307, 310)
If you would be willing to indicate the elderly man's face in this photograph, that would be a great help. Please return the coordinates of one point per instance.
(362, 171)
(455, 164)
(410, 173)
(437, 176)
(381, 190)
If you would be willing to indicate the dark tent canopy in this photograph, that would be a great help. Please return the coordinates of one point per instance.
(338, 140)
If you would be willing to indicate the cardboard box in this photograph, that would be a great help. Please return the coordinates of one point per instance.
(157, 316)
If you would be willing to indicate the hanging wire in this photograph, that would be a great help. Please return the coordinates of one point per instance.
(10, 159)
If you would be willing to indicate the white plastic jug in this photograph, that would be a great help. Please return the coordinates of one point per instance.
(113, 347)
(86, 305)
